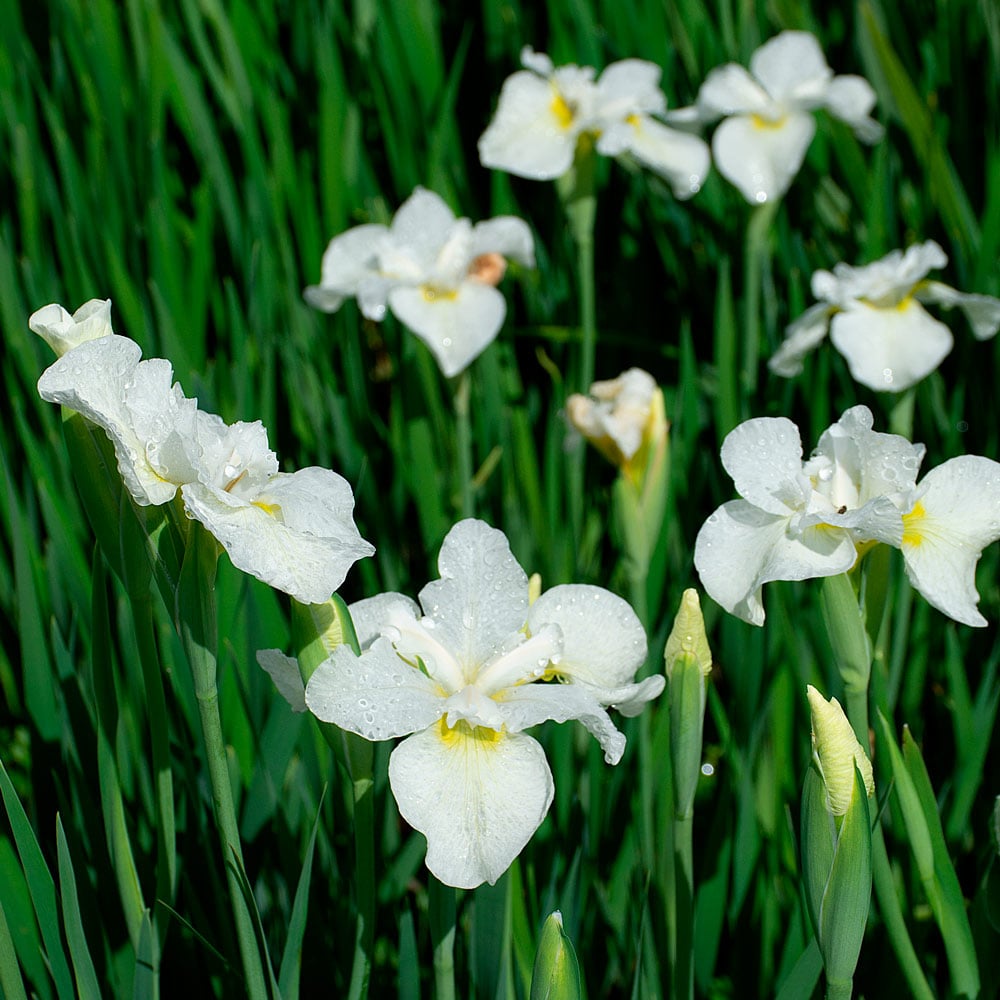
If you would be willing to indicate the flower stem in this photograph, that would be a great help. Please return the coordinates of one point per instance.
(360, 755)
(196, 622)
(442, 915)
(758, 262)
(462, 385)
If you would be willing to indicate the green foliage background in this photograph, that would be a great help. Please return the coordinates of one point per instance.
(190, 161)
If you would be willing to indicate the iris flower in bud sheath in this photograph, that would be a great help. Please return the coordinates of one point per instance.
(876, 319)
(799, 520)
(437, 274)
(62, 332)
(768, 112)
(462, 681)
(544, 112)
(293, 531)
(837, 752)
(623, 418)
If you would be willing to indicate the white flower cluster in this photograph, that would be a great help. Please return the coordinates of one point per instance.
(293, 531)
(798, 520)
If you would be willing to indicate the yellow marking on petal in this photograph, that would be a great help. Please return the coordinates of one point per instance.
(765, 123)
(635, 121)
(268, 508)
(451, 736)
(561, 110)
(432, 294)
(912, 531)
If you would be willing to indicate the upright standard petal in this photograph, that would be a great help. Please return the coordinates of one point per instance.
(481, 600)
(792, 69)
(955, 516)
(62, 332)
(890, 349)
(762, 157)
(476, 795)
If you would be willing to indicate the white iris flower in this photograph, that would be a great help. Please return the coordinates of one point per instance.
(462, 681)
(437, 274)
(768, 112)
(544, 111)
(62, 332)
(800, 520)
(293, 531)
(876, 319)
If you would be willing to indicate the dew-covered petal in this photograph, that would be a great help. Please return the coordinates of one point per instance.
(802, 336)
(731, 90)
(761, 157)
(481, 600)
(982, 311)
(604, 643)
(792, 69)
(284, 671)
(298, 536)
(533, 133)
(531, 704)
(631, 699)
(851, 99)
(890, 349)
(956, 515)
(376, 695)
(740, 548)
(456, 324)
(506, 235)
(62, 332)
(372, 614)
(476, 795)
(681, 159)
(97, 379)
(764, 458)
(348, 260)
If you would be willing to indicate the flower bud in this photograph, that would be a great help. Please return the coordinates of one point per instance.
(556, 975)
(837, 751)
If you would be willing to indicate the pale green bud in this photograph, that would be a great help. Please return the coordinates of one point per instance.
(837, 751)
(556, 975)
(687, 638)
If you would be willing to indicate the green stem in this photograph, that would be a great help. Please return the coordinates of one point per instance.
(683, 936)
(360, 757)
(199, 632)
(758, 260)
(901, 413)
(442, 916)
(463, 440)
(846, 628)
(839, 990)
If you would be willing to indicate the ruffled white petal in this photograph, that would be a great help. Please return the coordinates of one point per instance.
(349, 259)
(851, 98)
(982, 311)
(62, 332)
(532, 704)
(376, 695)
(627, 87)
(764, 458)
(423, 225)
(481, 600)
(761, 157)
(529, 136)
(604, 643)
(956, 515)
(740, 548)
(890, 349)
(792, 69)
(477, 798)
(456, 325)
(284, 671)
(631, 699)
(801, 337)
(99, 378)
(682, 160)
(297, 536)
(506, 235)
(731, 90)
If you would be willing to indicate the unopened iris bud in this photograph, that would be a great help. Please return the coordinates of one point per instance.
(556, 975)
(837, 751)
